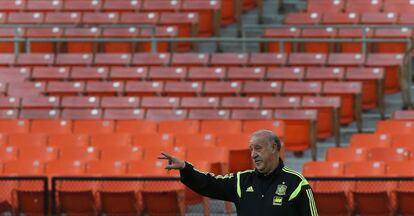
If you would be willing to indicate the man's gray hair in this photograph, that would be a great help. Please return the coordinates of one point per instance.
(273, 139)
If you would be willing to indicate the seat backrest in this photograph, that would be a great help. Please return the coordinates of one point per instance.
(346, 154)
(388, 154)
(93, 126)
(323, 169)
(51, 126)
(370, 140)
(134, 126)
(179, 127)
(221, 127)
(195, 140)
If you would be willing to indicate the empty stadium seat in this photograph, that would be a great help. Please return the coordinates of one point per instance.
(370, 140)
(347, 154)
(93, 126)
(179, 127)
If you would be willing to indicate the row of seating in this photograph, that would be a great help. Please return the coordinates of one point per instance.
(399, 152)
(204, 59)
(360, 6)
(362, 197)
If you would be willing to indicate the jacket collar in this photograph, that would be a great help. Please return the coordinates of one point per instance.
(275, 172)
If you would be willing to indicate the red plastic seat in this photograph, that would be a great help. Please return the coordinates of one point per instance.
(160, 32)
(403, 190)
(206, 73)
(325, 73)
(398, 6)
(80, 102)
(199, 102)
(251, 88)
(51, 126)
(144, 88)
(244, 114)
(12, 5)
(50, 73)
(302, 88)
(221, 127)
(120, 102)
(42, 154)
(128, 73)
(372, 83)
(395, 127)
(40, 102)
(370, 140)
(137, 18)
(73, 18)
(27, 140)
(250, 73)
(165, 114)
(363, 6)
(119, 114)
(134, 126)
(14, 126)
(346, 154)
(106, 168)
(340, 18)
(7, 59)
(278, 127)
(43, 46)
(155, 142)
(393, 47)
(29, 59)
(9, 103)
(354, 47)
(179, 127)
(120, 47)
(285, 73)
(303, 18)
(349, 104)
(222, 88)
(25, 89)
(112, 59)
(89, 73)
(126, 5)
(9, 47)
(209, 12)
(99, 18)
(307, 59)
(65, 88)
(8, 153)
(25, 18)
(388, 154)
(121, 153)
(39, 114)
(346, 60)
(328, 123)
(167, 73)
(151, 59)
(190, 59)
(66, 59)
(108, 140)
(372, 18)
(82, 5)
(391, 63)
(68, 140)
(183, 88)
(65, 167)
(402, 141)
(229, 59)
(318, 47)
(160, 102)
(240, 102)
(268, 59)
(9, 114)
(80, 153)
(3, 88)
(12, 75)
(207, 114)
(104, 88)
(82, 47)
(321, 6)
(78, 114)
(24, 168)
(403, 115)
(93, 126)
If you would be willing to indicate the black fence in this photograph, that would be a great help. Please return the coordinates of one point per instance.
(167, 196)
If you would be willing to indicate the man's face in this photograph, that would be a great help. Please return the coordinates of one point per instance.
(262, 153)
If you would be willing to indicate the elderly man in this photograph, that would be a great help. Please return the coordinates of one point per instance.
(270, 189)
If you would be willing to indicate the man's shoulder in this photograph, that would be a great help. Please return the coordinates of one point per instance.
(293, 174)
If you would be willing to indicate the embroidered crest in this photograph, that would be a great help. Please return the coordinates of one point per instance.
(281, 190)
(277, 200)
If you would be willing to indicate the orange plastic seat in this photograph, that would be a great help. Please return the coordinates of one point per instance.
(371, 140)
(323, 169)
(65, 168)
(346, 154)
(153, 140)
(12, 5)
(24, 168)
(9, 114)
(136, 126)
(80, 153)
(151, 153)
(208, 12)
(116, 5)
(221, 127)
(121, 153)
(120, 47)
(354, 47)
(65, 88)
(394, 127)
(302, 88)
(8, 153)
(9, 103)
(195, 140)
(70, 140)
(403, 190)
(14, 126)
(93, 126)
(239, 152)
(108, 140)
(179, 127)
(32, 140)
(9, 47)
(403, 141)
(392, 47)
(388, 154)
(42, 154)
(81, 5)
(43, 47)
(278, 127)
(371, 197)
(217, 157)
(160, 32)
(106, 168)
